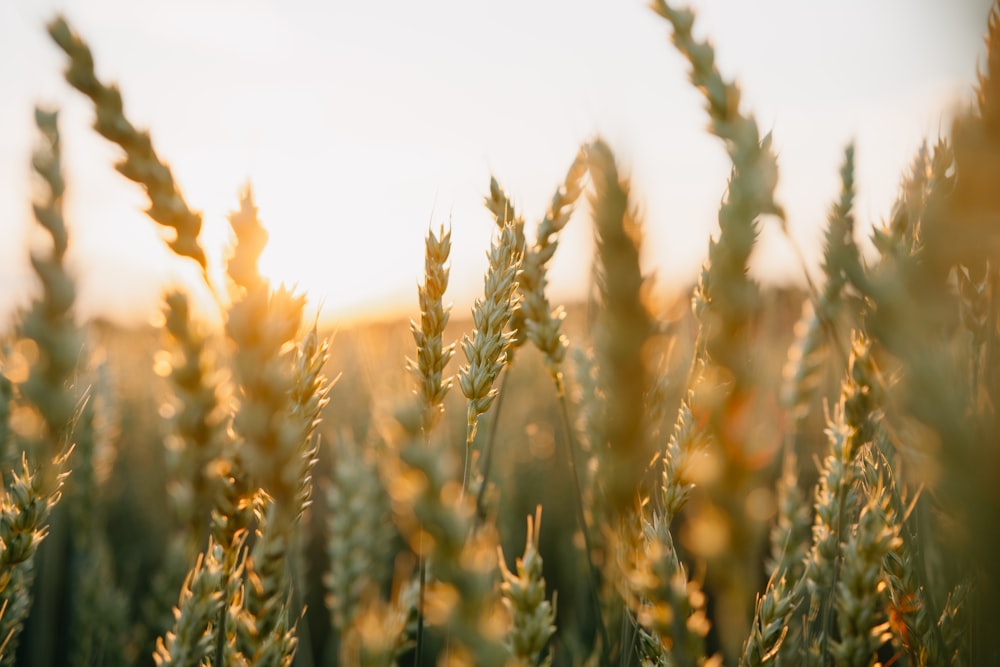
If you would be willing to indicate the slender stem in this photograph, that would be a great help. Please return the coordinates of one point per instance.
(304, 655)
(220, 637)
(422, 564)
(582, 519)
(422, 587)
(488, 451)
(467, 467)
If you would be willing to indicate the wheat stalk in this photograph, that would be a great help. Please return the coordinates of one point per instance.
(29, 498)
(623, 327)
(770, 623)
(486, 351)
(438, 520)
(25, 506)
(49, 320)
(197, 436)
(815, 329)
(542, 323)
(859, 594)
(359, 532)
(432, 354)
(99, 606)
(141, 164)
(533, 617)
(265, 633)
(666, 602)
(850, 430)
(726, 295)
(201, 601)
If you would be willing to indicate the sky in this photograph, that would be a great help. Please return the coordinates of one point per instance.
(362, 124)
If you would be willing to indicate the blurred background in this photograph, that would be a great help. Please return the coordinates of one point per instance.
(360, 124)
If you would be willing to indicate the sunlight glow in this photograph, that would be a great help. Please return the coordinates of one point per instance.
(361, 125)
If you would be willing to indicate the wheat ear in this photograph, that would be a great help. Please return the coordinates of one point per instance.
(49, 320)
(623, 327)
(141, 164)
(669, 607)
(196, 428)
(432, 354)
(486, 351)
(359, 533)
(860, 586)
(543, 323)
(850, 430)
(25, 507)
(533, 617)
(201, 601)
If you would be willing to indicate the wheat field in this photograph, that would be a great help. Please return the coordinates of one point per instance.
(748, 476)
